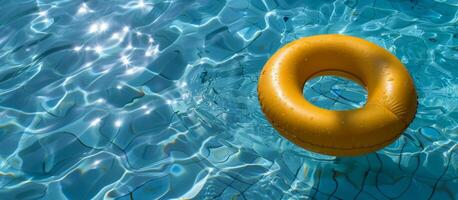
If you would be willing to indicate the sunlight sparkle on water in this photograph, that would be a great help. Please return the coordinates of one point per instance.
(151, 51)
(125, 60)
(96, 162)
(118, 123)
(115, 36)
(95, 122)
(77, 48)
(132, 71)
(98, 49)
(83, 9)
(98, 27)
(43, 13)
(125, 29)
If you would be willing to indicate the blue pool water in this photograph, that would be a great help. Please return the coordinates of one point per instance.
(155, 99)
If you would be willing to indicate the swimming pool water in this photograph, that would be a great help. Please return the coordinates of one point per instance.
(156, 99)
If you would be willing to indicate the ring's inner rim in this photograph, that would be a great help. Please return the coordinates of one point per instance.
(341, 74)
(338, 73)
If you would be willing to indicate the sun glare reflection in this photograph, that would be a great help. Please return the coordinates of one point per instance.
(95, 122)
(125, 60)
(98, 27)
(118, 123)
(83, 9)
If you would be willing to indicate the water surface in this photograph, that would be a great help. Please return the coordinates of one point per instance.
(157, 100)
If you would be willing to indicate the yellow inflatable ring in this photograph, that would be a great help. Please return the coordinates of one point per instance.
(390, 107)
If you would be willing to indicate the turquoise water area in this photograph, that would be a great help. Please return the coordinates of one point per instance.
(157, 99)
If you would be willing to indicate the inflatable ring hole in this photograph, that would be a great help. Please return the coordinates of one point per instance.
(334, 93)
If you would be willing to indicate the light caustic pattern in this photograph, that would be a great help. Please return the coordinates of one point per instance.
(150, 99)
